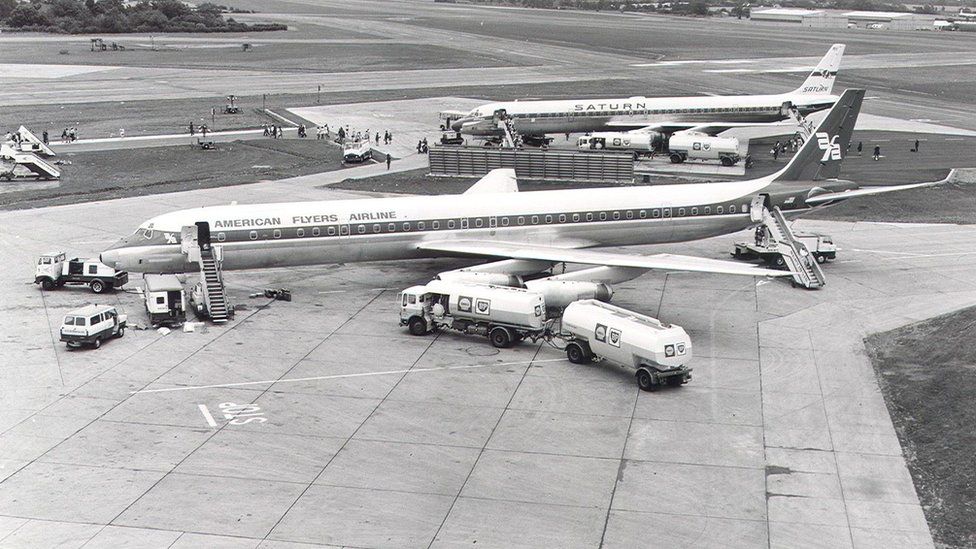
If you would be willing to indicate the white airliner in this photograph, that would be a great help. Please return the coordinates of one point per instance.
(661, 115)
(528, 232)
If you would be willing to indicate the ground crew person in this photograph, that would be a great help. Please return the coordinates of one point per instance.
(776, 152)
(192, 130)
(860, 146)
(389, 159)
(44, 137)
(877, 152)
(916, 146)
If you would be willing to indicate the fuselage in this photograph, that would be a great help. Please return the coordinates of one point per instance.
(340, 231)
(589, 115)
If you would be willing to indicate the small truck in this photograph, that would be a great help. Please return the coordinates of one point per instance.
(356, 151)
(503, 314)
(820, 245)
(165, 300)
(53, 271)
(687, 145)
(92, 324)
(594, 330)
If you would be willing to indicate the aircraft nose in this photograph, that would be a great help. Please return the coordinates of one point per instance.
(109, 257)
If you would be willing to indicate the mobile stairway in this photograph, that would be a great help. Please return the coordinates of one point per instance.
(30, 161)
(30, 143)
(806, 271)
(209, 297)
(214, 297)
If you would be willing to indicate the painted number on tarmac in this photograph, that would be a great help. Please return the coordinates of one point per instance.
(234, 414)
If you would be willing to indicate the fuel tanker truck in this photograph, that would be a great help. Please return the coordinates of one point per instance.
(688, 145)
(639, 142)
(595, 331)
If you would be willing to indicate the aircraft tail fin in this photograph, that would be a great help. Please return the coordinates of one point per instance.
(820, 157)
(821, 80)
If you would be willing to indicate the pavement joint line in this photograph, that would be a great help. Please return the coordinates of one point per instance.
(338, 376)
(621, 465)
(484, 446)
(311, 483)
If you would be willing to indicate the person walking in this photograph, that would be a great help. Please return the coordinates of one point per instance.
(860, 147)
(389, 160)
(44, 137)
(877, 152)
(775, 152)
(377, 138)
(916, 146)
(122, 132)
(192, 129)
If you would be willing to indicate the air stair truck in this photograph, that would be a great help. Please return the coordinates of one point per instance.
(504, 314)
(595, 330)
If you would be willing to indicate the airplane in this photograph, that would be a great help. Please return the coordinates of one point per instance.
(521, 233)
(658, 115)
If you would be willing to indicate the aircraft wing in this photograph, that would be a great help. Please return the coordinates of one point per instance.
(666, 262)
(709, 128)
(499, 180)
(955, 176)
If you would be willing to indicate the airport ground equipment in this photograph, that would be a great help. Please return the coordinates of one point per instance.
(684, 146)
(821, 246)
(593, 331)
(794, 254)
(639, 142)
(231, 107)
(356, 151)
(208, 297)
(503, 314)
(536, 164)
(54, 271)
(165, 300)
(30, 161)
(30, 143)
(92, 324)
(453, 138)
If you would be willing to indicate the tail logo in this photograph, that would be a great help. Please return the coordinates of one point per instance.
(829, 146)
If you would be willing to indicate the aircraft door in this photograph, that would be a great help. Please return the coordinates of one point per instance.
(757, 207)
(203, 234)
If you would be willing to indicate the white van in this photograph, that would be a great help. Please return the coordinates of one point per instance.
(91, 324)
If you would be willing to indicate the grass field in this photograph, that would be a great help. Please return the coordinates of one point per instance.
(96, 175)
(928, 376)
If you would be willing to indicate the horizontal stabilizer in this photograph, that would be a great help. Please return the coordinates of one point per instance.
(957, 176)
(500, 180)
(666, 262)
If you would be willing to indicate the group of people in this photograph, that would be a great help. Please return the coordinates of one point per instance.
(792, 144)
(346, 133)
(273, 130)
(422, 147)
(69, 134)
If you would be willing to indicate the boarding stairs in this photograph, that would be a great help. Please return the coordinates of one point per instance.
(806, 271)
(804, 127)
(41, 168)
(30, 143)
(512, 138)
(214, 297)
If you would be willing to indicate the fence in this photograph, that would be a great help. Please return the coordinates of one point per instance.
(562, 165)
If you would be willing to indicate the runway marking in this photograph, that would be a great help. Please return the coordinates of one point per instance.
(914, 255)
(206, 415)
(336, 376)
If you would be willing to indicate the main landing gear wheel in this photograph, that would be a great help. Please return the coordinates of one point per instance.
(417, 326)
(500, 337)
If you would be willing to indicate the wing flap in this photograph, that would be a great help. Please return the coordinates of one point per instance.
(666, 262)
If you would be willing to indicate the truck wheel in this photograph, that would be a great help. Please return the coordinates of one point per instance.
(644, 380)
(121, 331)
(575, 353)
(779, 261)
(500, 337)
(417, 326)
(821, 258)
(726, 161)
(97, 343)
(97, 286)
(676, 158)
(47, 284)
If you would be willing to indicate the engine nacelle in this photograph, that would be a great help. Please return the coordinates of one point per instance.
(478, 277)
(560, 293)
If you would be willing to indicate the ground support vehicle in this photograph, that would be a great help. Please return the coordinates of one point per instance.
(53, 271)
(821, 246)
(454, 138)
(503, 314)
(165, 300)
(356, 151)
(92, 324)
(687, 145)
(641, 143)
(593, 330)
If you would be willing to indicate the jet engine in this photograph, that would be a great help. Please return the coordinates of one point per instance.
(560, 293)
(479, 277)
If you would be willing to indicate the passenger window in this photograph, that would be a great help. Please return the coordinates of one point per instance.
(253, 235)
(277, 233)
(92, 269)
(694, 211)
(708, 210)
(479, 222)
(630, 214)
(413, 299)
(316, 231)
(391, 227)
(521, 220)
(548, 219)
(643, 214)
(732, 208)
(719, 210)
(535, 220)
(562, 218)
(376, 228)
(435, 225)
(95, 319)
(576, 218)
(406, 226)
(450, 224)
(681, 212)
(421, 226)
(299, 232)
(589, 217)
(504, 222)
(361, 229)
(656, 213)
(160, 300)
(221, 236)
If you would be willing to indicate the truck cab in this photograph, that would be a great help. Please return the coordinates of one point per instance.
(415, 310)
(92, 324)
(48, 270)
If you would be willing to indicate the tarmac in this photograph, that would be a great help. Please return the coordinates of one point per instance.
(373, 438)
(321, 423)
